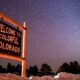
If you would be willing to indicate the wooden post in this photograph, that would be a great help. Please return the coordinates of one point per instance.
(24, 51)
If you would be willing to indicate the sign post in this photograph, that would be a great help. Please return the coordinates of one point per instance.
(10, 41)
(24, 51)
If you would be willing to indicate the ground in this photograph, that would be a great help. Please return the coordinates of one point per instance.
(60, 76)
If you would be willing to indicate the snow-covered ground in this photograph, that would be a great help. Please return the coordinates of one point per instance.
(8, 76)
(60, 76)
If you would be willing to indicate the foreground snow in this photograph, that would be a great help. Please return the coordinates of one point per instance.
(8, 76)
(60, 76)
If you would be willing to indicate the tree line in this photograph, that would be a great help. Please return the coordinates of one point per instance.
(32, 71)
(11, 69)
(72, 67)
(44, 70)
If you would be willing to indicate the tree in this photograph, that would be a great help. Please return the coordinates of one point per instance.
(2, 70)
(33, 70)
(74, 67)
(45, 69)
(9, 68)
(63, 68)
(30, 70)
(18, 69)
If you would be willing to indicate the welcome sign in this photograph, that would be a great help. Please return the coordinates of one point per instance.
(10, 40)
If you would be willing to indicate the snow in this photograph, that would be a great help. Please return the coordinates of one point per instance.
(8, 76)
(60, 76)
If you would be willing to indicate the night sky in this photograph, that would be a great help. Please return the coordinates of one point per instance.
(53, 29)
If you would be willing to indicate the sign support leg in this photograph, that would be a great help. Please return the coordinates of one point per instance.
(24, 52)
(23, 68)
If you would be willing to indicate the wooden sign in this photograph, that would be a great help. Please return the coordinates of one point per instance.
(10, 39)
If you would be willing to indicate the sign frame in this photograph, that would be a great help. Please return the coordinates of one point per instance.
(24, 51)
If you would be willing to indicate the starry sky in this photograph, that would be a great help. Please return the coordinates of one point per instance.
(53, 29)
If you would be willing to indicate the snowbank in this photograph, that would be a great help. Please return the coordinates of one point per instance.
(8, 76)
(60, 76)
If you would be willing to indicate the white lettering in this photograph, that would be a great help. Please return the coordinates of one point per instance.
(10, 47)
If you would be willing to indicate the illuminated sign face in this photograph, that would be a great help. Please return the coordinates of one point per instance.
(10, 40)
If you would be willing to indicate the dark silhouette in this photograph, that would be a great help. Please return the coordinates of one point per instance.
(18, 69)
(72, 67)
(2, 70)
(30, 70)
(63, 68)
(45, 69)
(33, 70)
(9, 68)
(13, 69)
